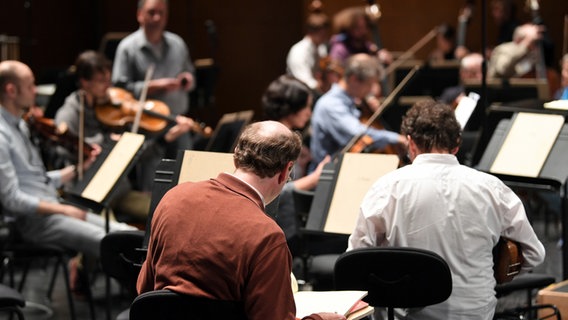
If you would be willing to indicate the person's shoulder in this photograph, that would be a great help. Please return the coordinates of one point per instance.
(130, 40)
(173, 37)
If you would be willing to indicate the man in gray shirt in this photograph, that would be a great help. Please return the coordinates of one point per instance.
(172, 78)
(28, 192)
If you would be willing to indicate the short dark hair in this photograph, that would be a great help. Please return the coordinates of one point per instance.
(266, 152)
(284, 96)
(90, 62)
(431, 125)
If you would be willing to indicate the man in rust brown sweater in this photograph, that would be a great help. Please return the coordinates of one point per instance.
(212, 238)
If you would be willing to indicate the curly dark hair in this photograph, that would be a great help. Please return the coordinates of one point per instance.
(284, 96)
(265, 148)
(432, 125)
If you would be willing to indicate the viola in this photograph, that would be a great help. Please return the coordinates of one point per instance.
(121, 110)
(46, 129)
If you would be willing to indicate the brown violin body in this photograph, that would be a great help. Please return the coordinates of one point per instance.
(507, 260)
(47, 130)
(121, 110)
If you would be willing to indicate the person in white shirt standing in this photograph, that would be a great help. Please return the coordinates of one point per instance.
(304, 56)
(456, 211)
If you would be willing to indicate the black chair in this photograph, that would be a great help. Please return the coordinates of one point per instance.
(168, 305)
(11, 301)
(529, 282)
(18, 253)
(121, 259)
(395, 277)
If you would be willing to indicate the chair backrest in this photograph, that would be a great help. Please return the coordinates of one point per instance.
(395, 277)
(121, 257)
(168, 305)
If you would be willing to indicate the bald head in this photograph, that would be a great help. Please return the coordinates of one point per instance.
(266, 148)
(17, 85)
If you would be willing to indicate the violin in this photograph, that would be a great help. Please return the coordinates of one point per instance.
(121, 110)
(46, 129)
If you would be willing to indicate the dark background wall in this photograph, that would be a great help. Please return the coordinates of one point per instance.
(252, 37)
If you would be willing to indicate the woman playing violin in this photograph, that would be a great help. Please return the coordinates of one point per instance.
(93, 73)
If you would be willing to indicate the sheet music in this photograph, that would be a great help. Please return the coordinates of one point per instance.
(527, 145)
(465, 108)
(203, 165)
(357, 173)
(113, 166)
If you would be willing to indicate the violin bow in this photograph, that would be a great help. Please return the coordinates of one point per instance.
(142, 99)
(381, 108)
(81, 138)
(410, 52)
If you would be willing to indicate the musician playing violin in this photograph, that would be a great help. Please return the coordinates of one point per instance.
(335, 120)
(152, 46)
(28, 192)
(93, 72)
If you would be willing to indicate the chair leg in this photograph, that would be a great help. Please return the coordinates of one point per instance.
(61, 261)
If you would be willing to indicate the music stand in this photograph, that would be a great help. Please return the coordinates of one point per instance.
(100, 182)
(553, 175)
(190, 165)
(228, 130)
(341, 188)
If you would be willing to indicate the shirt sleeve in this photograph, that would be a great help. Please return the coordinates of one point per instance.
(517, 227)
(12, 198)
(269, 289)
(370, 228)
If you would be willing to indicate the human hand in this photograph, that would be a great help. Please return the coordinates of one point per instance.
(92, 156)
(186, 80)
(385, 56)
(164, 84)
(74, 212)
(460, 52)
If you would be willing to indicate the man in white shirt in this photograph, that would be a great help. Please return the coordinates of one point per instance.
(456, 211)
(304, 56)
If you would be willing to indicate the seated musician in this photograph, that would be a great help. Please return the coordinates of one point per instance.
(354, 25)
(470, 70)
(456, 211)
(335, 120)
(304, 57)
(94, 73)
(289, 101)
(220, 244)
(518, 57)
(28, 192)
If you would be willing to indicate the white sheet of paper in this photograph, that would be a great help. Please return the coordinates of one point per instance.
(113, 166)
(308, 302)
(527, 145)
(357, 173)
(203, 165)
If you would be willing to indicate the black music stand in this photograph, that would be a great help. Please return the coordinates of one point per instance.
(553, 176)
(110, 156)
